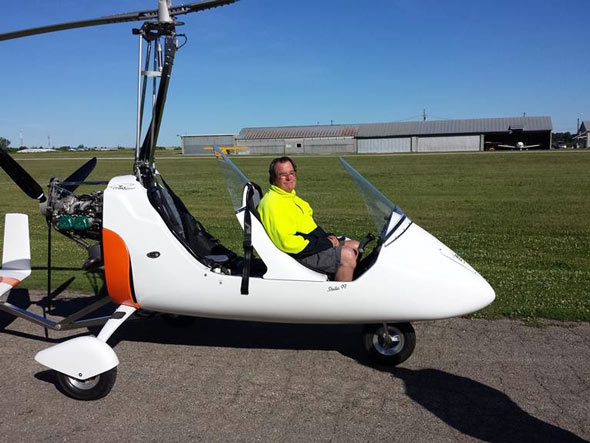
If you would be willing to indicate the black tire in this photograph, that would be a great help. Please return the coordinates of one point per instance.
(377, 349)
(91, 389)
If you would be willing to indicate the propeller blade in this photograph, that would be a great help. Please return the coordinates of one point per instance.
(79, 175)
(21, 177)
(118, 18)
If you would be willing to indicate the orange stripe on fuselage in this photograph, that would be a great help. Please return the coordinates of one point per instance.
(10, 281)
(116, 268)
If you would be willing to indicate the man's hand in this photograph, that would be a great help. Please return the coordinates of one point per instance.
(334, 240)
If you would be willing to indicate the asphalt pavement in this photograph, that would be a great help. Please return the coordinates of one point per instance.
(217, 380)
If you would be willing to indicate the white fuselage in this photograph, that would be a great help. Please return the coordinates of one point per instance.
(415, 276)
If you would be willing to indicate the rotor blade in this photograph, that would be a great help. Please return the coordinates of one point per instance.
(79, 175)
(118, 18)
(199, 6)
(21, 177)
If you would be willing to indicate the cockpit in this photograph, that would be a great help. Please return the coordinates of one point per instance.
(269, 263)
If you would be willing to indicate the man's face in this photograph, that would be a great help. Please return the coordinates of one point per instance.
(286, 178)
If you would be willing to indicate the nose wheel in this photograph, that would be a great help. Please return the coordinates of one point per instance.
(388, 344)
(90, 389)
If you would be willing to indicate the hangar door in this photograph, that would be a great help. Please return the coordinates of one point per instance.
(446, 144)
(382, 145)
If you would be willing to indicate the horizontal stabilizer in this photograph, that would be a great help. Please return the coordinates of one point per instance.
(16, 253)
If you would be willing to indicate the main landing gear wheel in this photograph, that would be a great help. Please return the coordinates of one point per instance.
(389, 347)
(91, 389)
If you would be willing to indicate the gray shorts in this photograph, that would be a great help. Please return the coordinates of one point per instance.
(326, 261)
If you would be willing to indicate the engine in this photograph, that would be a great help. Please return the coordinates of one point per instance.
(76, 215)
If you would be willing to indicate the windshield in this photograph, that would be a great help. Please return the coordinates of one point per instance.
(386, 215)
(235, 179)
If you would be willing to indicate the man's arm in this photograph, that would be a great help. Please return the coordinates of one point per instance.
(318, 241)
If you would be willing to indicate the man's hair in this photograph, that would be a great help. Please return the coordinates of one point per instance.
(272, 173)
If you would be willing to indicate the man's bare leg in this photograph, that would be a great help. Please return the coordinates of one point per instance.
(348, 256)
(354, 244)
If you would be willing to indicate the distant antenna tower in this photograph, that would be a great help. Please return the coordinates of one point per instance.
(49, 142)
(20, 136)
(423, 115)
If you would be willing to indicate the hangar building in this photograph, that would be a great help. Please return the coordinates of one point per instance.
(424, 136)
(299, 140)
(454, 135)
(583, 141)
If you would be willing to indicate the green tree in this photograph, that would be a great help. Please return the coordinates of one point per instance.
(4, 143)
(566, 137)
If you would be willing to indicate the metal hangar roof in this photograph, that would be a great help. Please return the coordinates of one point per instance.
(299, 132)
(401, 129)
(441, 127)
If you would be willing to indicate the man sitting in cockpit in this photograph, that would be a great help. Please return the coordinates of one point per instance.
(288, 221)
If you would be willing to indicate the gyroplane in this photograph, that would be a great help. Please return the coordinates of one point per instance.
(157, 257)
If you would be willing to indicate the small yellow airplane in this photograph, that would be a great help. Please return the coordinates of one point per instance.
(225, 149)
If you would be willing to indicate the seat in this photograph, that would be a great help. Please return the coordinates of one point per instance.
(190, 232)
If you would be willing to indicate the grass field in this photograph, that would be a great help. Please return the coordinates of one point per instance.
(522, 219)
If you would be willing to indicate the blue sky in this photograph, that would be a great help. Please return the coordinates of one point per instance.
(278, 63)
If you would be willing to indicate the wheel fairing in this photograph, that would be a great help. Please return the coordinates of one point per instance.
(81, 358)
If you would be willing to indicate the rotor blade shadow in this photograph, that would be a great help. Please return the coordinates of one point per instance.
(475, 409)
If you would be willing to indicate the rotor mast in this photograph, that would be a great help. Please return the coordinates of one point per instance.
(164, 11)
(154, 33)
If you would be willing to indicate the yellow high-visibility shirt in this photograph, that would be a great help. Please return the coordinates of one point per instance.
(283, 215)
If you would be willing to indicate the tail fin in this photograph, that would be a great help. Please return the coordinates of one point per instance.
(16, 254)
